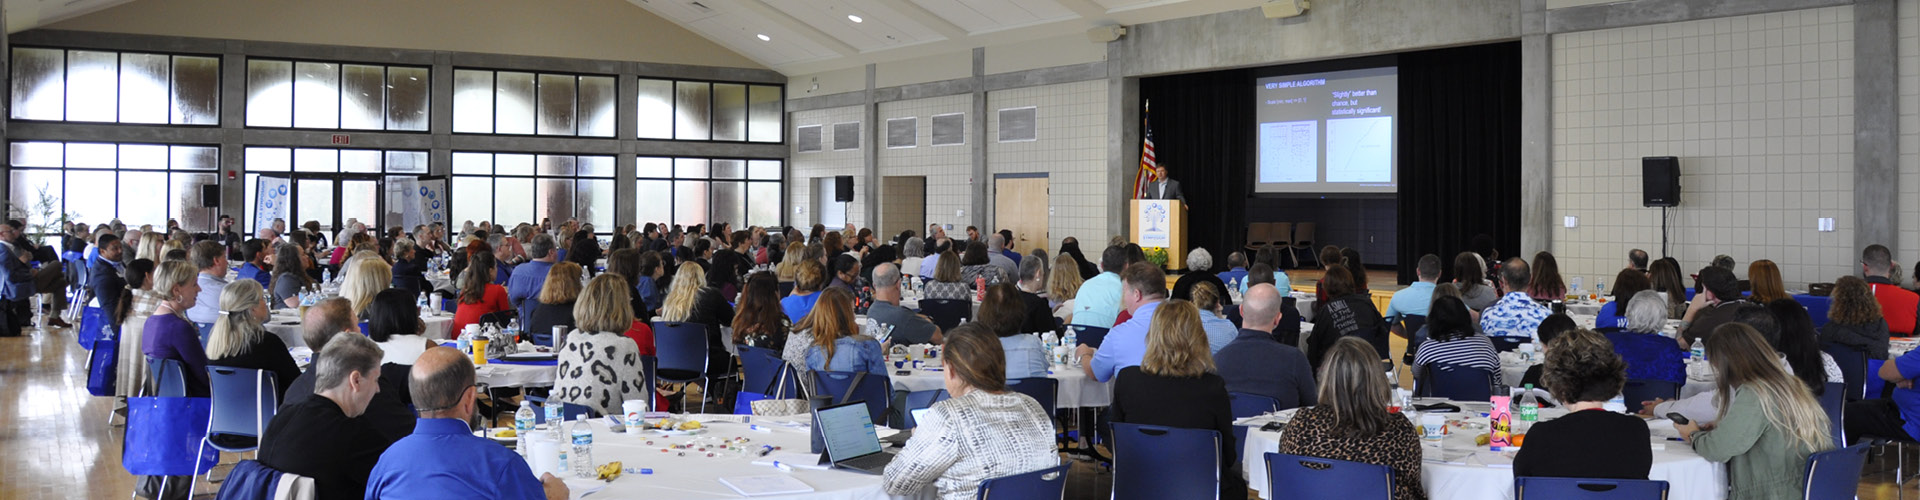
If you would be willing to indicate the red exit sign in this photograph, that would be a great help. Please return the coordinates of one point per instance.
(342, 139)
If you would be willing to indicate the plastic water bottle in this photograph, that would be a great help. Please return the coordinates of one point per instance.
(426, 303)
(1529, 406)
(522, 426)
(1071, 339)
(1600, 287)
(554, 419)
(326, 276)
(513, 331)
(1049, 341)
(1699, 349)
(582, 449)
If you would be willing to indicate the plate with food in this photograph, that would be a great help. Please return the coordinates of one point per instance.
(499, 434)
(674, 427)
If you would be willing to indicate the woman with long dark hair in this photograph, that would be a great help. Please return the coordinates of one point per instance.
(1547, 283)
(759, 321)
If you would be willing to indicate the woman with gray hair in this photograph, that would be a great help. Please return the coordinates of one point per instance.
(914, 252)
(1649, 354)
(1199, 263)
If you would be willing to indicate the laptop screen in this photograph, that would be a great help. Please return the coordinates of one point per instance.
(848, 430)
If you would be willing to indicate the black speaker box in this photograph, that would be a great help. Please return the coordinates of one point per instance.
(1660, 181)
(210, 195)
(843, 188)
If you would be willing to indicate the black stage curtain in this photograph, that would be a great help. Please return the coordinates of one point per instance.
(1459, 152)
(1201, 128)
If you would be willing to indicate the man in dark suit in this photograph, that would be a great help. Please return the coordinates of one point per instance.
(105, 275)
(1166, 188)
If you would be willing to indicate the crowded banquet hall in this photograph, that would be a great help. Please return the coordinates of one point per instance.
(960, 249)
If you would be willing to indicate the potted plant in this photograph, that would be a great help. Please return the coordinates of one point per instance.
(1157, 256)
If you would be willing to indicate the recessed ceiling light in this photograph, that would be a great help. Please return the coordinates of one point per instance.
(854, 18)
(765, 38)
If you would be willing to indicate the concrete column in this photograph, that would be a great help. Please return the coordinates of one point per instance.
(1876, 124)
(870, 150)
(6, 81)
(1123, 139)
(1536, 130)
(233, 150)
(626, 126)
(981, 182)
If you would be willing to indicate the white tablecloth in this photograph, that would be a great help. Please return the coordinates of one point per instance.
(1076, 390)
(1489, 475)
(696, 476)
(500, 375)
(1304, 302)
(285, 323)
(1583, 308)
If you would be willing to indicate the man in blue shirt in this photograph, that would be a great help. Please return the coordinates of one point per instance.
(1516, 315)
(1097, 304)
(1145, 286)
(530, 277)
(1898, 417)
(253, 252)
(1256, 363)
(442, 458)
(1236, 274)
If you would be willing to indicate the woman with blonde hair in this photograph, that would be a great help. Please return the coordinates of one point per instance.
(1855, 320)
(1175, 386)
(1212, 304)
(599, 365)
(1063, 284)
(153, 246)
(790, 263)
(240, 339)
(364, 279)
(1767, 286)
(1352, 422)
(555, 304)
(1769, 421)
(691, 300)
(837, 345)
(168, 334)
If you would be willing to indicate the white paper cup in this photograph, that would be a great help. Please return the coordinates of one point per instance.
(1433, 427)
(543, 454)
(635, 409)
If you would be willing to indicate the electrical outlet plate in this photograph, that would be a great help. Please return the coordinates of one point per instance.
(1572, 222)
(1826, 225)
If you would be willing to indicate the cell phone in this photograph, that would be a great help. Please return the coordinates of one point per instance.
(1678, 418)
(1272, 426)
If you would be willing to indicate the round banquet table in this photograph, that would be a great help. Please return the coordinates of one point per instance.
(1304, 302)
(696, 476)
(285, 323)
(1076, 390)
(1461, 470)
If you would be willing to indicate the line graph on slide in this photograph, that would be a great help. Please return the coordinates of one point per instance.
(1360, 149)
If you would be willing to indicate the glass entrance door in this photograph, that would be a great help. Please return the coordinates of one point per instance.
(334, 199)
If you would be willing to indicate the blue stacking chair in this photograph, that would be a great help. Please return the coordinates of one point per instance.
(1835, 473)
(1834, 402)
(918, 400)
(840, 386)
(1156, 462)
(244, 402)
(1310, 478)
(682, 349)
(948, 313)
(1641, 389)
(1048, 483)
(1458, 383)
(1569, 488)
(1043, 390)
(761, 373)
(1092, 336)
(1853, 368)
(1247, 405)
(168, 376)
(1504, 344)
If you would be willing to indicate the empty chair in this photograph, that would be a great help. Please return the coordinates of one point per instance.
(1155, 462)
(1259, 234)
(1315, 478)
(1043, 390)
(1567, 488)
(1833, 401)
(1045, 483)
(1303, 242)
(682, 350)
(856, 386)
(1640, 389)
(947, 313)
(1247, 405)
(168, 377)
(1458, 383)
(243, 403)
(1853, 368)
(1280, 236)
(1835, 473)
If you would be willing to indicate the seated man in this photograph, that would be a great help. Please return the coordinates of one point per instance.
(908, 327)
(1899, 306)
(1143, 288)
(1716, 304)
(1256, 363)
(324, 436)
(443, 459)
(1516, 315)
(387, 412)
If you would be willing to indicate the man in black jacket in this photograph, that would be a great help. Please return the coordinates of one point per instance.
(105, 275)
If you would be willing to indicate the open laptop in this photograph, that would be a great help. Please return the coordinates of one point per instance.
(851, 440)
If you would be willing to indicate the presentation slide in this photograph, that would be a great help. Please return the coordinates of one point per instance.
(1328, 132)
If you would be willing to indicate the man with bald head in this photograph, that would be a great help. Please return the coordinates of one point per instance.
(1256, 363)
(387, 412)
(443, 459)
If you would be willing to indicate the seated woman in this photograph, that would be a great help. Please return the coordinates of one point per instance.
(808, 281)
(947, 283)
(759, 321)
(554, 306)
(1352, 423)
(1547, 283)
(1452, 340)
(1764, 276)
(692, 300)
(393, 322)
(975, 265)
(1648, 354)
(1768, 421)
(837, 344)
(240, 340)
(365, 277)
(1212, 303)
(168, 334)
(1584, 373)
(290, 275)
(1349, 312)
(1002, 313)
(1613, 314)
(599, 365)
(1175, 386)
(479, 295)
(1063, 285)
(984, 431)
(409, 267)
(1855, 320)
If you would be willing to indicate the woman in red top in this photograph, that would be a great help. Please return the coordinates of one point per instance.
(479, 296)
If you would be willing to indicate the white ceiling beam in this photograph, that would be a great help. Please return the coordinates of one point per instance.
(1086, 9)
(927, 18)
(801, 27)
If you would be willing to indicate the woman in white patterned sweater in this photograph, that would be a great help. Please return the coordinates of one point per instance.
(599, 365)
(984, 432)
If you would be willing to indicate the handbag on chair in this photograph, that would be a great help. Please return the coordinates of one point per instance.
(775, 406)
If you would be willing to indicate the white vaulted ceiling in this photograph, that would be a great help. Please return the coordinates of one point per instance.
(28, 14)
(805, 36)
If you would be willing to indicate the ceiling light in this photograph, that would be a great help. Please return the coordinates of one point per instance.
(765, 38)
(854, 18)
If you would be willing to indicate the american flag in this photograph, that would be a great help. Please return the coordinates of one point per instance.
(1145, 176)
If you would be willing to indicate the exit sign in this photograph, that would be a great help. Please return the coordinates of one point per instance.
(341, 139)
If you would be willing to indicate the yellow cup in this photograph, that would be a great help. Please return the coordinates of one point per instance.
(480, 351)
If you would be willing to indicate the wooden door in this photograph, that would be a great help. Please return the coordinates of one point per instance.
(1020, 205)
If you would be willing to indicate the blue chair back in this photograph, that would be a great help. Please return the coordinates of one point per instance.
(1853, 368)
(1156, 462)
(1246, 405)
(1641, 389)
(1833, 401)
(682, 349)
(1567, 488)
(168, 376)
(1048, 483)
(840, 386)
(568, 411)
(1092, 336)
(1504, 344)
(762, 368)
(1308, 477)
(918, 400)
(244, 402)
(947, 312)
(1044, 390)
(1458, 383)
(1835, 473)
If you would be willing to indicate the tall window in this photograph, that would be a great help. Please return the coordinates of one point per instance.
(326, 181)
(691, 191)
(327, 95)
(98, 182)
(115, 87)
(514, 188)
(710, 111)
(513, 102)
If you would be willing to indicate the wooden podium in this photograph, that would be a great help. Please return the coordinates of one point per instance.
(1161, 223)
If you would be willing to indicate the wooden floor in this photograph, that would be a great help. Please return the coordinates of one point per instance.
(57, 443)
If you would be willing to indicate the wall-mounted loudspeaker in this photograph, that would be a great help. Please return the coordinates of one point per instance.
(843, 188)
(1660, 181)
(210, 195)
